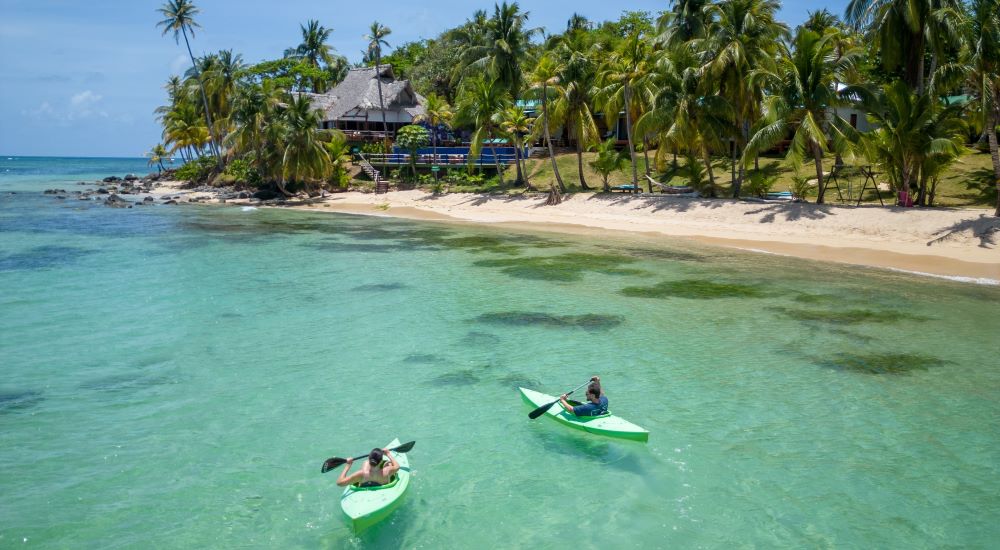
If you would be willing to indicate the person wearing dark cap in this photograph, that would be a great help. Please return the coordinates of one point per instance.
(597, 402)
(377, 470)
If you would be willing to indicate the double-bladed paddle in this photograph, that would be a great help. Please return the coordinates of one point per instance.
(332, 463)
(541, 410)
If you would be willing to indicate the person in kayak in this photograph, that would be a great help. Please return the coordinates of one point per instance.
(597, 402)
(373, 473)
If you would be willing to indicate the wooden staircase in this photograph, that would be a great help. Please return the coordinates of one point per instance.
(381, 185)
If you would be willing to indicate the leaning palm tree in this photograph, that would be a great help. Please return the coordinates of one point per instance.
(805, 81)
(179, 19)
(544, 78)
(376, 40)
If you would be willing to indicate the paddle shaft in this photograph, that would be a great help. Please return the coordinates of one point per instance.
(541, 410)
(334, 462)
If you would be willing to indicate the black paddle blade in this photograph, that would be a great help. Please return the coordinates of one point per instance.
(405, 447)
(332, 463)
(540, 410)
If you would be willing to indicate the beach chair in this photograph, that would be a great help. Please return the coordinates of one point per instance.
(671, 189)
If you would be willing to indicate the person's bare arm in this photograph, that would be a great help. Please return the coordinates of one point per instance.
(393, 466)
(344, 479)
(565, 404)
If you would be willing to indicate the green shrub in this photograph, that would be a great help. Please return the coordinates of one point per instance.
(242, 171)
(197, 170)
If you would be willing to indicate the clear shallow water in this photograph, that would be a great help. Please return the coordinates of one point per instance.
(178, 375)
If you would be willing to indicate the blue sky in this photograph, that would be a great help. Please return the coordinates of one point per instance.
(83, 78)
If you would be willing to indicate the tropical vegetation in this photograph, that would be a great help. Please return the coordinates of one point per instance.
(909, 87)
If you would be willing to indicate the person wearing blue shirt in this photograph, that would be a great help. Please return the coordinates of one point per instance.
(597, 402)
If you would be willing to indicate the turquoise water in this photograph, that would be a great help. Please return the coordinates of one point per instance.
(176, 377)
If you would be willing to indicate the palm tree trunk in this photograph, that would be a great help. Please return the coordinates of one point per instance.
(204, 98)
(994, 151)
(645, 154)
(381, 105)
(548, 137)
(708, 166)
(818, 158)
(496, 159)
(517, 164)
(628, 134)
(579, 157)
(524, 161)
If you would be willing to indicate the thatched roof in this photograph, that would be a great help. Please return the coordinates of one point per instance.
(359, 93)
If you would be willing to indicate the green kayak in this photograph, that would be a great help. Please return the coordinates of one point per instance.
(366, 506)
(607, 424)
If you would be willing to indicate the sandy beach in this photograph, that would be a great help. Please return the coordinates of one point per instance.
(944, 242)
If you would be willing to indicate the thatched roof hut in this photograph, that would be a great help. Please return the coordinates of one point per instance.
(353, 105)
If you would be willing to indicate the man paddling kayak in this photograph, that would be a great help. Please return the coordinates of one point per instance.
(373, 473)
(597, 401)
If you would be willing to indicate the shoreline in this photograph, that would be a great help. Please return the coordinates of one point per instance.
(951, 243)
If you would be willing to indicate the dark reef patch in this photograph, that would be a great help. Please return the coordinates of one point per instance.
(13, 401)
(466, 377)
(518, 380)
(41, 257)
(882, 363)
(848, 316)
(564, 267)
(590, 321)
(380, 287)
(693, 289)
(664, 254)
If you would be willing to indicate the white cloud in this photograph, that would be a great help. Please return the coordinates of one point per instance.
(84, 99)
(83, 105)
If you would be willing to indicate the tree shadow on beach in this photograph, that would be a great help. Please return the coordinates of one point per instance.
(984, 228)
(792, 212)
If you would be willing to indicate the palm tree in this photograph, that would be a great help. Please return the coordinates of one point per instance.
(545, 76)
(314, 50)
(304, 155)
(687, 20)
(743, 37)
(687, 113)
(984, 42)
(911, 131)
(515, 123)
(503, 48)
(179, 19)
(376, 40)
(902, 31)
(436, 112)
(156, 156)
(609, 160)
(805, 81)
(184, 130)
(479, 99)
(578, 79)
(626, 69)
